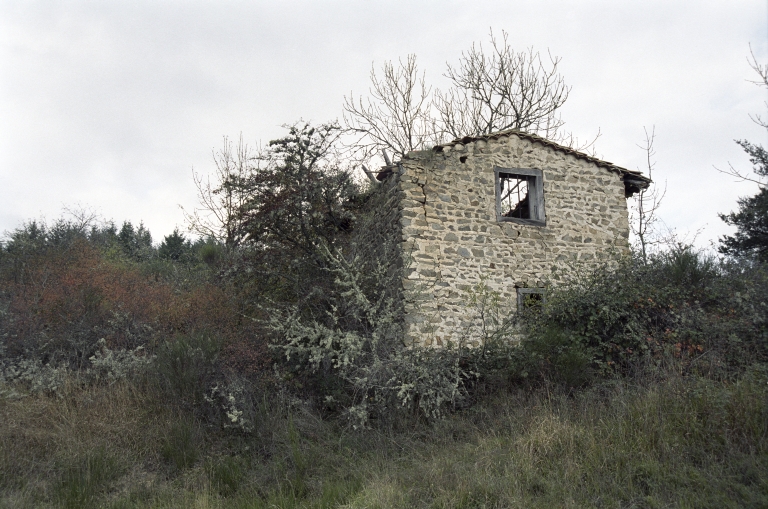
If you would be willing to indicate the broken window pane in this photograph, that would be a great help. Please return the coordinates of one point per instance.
(514, 196)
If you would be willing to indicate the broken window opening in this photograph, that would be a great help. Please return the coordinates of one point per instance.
(514, 196)
(530, 299)
(520, 195)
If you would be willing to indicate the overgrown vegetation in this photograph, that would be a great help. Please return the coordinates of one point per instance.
(264, 365)
(707, 315)
(146, 382)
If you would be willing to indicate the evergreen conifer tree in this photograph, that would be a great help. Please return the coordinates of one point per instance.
(751, 220)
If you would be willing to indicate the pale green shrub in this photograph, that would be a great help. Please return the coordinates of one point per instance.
(232, 399)
(358, 340)
(111, 366)
(20, 376)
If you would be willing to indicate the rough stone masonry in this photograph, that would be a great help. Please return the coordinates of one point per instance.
(507, 209)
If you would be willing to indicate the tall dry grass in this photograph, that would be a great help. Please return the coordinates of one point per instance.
(41, 437)
(683, 442)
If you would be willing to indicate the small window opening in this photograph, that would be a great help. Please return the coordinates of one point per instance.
(520, 196)
(514, 196)
(530, 298)
(463, 159)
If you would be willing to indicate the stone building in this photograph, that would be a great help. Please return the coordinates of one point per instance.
(507, 209)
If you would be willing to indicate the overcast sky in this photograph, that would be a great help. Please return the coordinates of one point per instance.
(109, 105)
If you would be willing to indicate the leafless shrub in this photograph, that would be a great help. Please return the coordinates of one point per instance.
(218, 214)
(502, 90)
(644, 213)
(397, 116)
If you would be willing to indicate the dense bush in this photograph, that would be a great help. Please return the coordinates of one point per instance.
(62, 300)
(707, 315)
(76, 311)
(353, 351)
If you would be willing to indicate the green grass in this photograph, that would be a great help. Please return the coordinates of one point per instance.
(83, 479)
(681, 442)
(180, 445)
(226, 474)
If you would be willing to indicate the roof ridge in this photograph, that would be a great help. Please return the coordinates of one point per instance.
(546, 142)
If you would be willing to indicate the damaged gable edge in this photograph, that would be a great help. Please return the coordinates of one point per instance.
(634, 181)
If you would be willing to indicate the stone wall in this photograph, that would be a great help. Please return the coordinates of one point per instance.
(451, 239)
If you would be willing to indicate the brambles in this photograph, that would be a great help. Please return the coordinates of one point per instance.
(682, 306)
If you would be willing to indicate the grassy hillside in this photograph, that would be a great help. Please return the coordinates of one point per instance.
(132, 380)
(677, 443)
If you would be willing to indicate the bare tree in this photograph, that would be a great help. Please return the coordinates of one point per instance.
(762, 72)
(647, 202)
(83, 219)
(490, 92)
(218, 214)
(502, 90)
(397, 116)
(757, 152)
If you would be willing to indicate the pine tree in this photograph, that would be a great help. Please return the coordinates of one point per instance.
(174, 247)
(751, 220)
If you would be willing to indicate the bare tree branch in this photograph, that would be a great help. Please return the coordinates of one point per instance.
(569, 140)
(490, 91)
(762, 72)
(397, 116)
(758, 154)
(647, 202)
(742, 177)
(506, 90)
(218, 214)
(83, 218)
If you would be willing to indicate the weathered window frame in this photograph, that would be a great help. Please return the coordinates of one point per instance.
(535, 179)
(523, 292)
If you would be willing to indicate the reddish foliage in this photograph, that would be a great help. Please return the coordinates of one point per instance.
(249, 355)
(76, 290)
(202, 307)
(61, 294)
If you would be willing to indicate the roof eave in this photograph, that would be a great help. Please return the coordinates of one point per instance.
(634, 181)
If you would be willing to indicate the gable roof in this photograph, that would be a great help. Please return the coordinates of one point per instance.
(634, 181)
